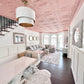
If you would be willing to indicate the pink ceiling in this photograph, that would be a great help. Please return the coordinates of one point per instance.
(51, 15)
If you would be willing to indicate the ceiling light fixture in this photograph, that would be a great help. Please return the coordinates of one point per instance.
(25, 15)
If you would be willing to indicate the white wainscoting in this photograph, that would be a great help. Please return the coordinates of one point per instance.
(78, 65)
(9, 53)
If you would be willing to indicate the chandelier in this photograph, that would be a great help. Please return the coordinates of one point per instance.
(25, 15)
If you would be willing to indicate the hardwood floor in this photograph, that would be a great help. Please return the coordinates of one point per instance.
(61, 74)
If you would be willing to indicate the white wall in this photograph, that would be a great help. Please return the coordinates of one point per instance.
(8, 50)
(7, 40)
(77, 54)
(78, 65)
(78, 17)
(34, 34)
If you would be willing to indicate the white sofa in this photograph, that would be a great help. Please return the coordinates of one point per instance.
(33, 55)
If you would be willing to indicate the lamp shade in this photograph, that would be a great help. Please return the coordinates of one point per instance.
(25, 16)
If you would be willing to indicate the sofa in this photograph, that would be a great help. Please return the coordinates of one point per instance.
(41, 48)
(37, 49)
(50, 48)
(34, 47)
(32, 54)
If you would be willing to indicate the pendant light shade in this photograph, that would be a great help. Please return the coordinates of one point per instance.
(25, 16)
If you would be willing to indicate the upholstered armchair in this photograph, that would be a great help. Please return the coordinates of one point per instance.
(52, 50)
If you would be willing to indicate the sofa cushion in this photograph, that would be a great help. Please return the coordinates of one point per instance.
(32, 48)
(36, 46)
(28, 48)
(39, 51)
(28, 51)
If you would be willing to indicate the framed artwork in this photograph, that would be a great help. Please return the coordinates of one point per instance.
(18, 38)
(30, 38)
(67, 39)
(78, 34)
(34, 38)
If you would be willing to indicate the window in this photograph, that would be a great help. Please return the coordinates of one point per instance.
(60, 41)
(54, 40)
(46, 39)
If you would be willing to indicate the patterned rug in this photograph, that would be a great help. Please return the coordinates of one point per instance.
(53, 58)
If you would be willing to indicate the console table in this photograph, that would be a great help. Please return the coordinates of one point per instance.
(9, 70)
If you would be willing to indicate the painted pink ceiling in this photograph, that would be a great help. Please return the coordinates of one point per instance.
(51, 15)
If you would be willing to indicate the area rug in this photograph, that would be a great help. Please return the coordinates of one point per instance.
(40, 77)
(53, 58)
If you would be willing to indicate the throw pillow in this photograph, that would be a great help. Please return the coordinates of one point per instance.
(28, 55)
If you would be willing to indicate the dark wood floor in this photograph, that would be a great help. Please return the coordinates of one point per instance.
(61, 74)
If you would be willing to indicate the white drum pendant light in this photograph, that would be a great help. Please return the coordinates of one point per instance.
(25, 16)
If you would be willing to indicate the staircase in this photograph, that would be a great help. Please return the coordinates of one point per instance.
(6, 25)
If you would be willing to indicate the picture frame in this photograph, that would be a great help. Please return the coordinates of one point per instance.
(30, 38)
(34, 38)
(18, 38)
(78, 34)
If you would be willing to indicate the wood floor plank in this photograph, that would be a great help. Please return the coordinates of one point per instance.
(61, 74)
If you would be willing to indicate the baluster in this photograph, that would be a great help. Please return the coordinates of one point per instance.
(0, 23)
(11, 24)
(7, 21)
(4, 24)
